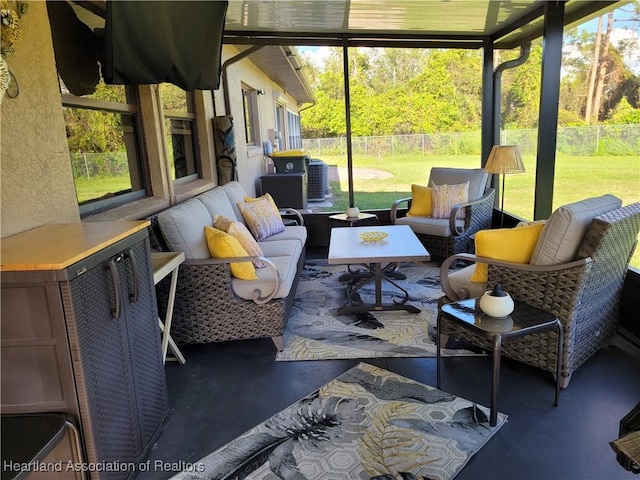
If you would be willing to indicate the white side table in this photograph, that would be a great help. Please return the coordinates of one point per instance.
(164, 263)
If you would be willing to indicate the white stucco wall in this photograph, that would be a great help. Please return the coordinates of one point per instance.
(250, 160)
(35, 172)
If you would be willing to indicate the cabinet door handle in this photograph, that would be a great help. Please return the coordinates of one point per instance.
(133, 297)
(116, 286)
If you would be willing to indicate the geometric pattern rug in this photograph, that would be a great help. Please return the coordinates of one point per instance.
(315, 331)
(367, 424)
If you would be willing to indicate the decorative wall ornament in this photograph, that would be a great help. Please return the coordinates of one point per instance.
(11, 11)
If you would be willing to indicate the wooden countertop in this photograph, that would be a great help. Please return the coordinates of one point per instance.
(55, 247)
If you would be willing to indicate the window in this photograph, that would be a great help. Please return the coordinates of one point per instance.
(294, 140)
(250, 107)
(104, 146)
(180, 129)
(279, 130)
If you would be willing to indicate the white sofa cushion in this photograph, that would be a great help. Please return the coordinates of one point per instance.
(183, 228)
(282, 248)
(217, 203)
(287, 267)
(291, 232)
(235, 193)
(428, 225)
(563, 232)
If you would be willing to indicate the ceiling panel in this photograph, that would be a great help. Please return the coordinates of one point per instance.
(422, 17)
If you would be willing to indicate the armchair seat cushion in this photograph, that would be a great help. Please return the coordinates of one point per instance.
(460, 280)
(429, 226)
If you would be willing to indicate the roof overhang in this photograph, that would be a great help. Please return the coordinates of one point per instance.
(281, 64)
(403, 23)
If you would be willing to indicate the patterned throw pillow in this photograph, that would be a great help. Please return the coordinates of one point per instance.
(223, 245)
(238, 231)
(445, 197)
(222, 223)
(262, 217)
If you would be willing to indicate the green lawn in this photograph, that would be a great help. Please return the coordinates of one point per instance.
(100, 187)
(577, 177)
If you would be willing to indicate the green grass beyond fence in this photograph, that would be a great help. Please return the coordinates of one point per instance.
(379, 181)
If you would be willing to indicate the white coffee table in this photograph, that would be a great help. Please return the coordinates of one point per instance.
(379, 259)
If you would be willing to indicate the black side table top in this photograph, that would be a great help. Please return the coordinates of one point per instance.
(524, 319)
(28, 438)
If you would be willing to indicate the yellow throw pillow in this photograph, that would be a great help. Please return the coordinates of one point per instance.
(445, 197)
(421, 201)
(508, 244)
(238, 231)
(262, 217)
(223, 245)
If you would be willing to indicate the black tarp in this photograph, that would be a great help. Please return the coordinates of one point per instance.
(178, 42)
(75, 48)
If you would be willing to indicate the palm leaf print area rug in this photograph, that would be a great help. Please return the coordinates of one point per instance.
(316, 332)
(367, 424)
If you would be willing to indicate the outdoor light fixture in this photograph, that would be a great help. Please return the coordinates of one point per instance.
(504, 159)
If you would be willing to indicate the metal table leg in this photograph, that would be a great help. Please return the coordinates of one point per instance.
(495, 381)
(559, 361)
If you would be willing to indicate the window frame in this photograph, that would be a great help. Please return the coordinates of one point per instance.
(134, 110)
(251, 117)
(294, 130)
(190, 117)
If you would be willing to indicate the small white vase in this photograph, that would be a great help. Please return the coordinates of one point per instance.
(352, 212)
(496, 303)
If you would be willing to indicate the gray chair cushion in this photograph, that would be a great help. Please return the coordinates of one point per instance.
(428, 225)
(461, 280)
(183, 228)
(563, 232)
(476, 177)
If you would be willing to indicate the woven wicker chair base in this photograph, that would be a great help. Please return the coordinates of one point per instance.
(477, 217)
(586, 298)
(207, 310)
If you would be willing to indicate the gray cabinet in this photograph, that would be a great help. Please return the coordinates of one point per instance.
(85, 340)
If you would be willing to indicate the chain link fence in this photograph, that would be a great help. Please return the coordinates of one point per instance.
(594, 140)
(99, 165)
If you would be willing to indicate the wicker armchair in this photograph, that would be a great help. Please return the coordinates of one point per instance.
(584, 294)
(445, 237)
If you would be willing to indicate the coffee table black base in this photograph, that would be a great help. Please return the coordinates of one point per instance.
(370, 307)
(377, 273)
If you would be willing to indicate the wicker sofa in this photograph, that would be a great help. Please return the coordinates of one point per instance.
(210, 304)
(577, 272)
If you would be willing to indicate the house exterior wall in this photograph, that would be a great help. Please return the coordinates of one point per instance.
(37, 185)
(35, 173)
(250, 160)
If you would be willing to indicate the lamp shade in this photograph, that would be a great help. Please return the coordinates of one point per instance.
(504, 159)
